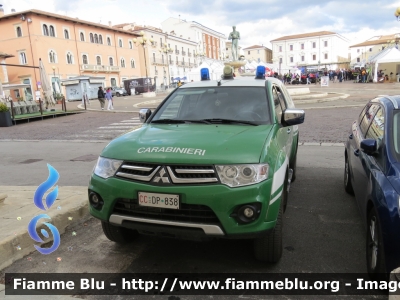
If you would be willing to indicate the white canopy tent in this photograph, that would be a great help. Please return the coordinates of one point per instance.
(388, 55)
(216, 70)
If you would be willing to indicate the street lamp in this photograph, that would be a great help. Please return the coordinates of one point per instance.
(166, 50)
(201, 56)
(143, 41)
(397, 13)
(54, 81)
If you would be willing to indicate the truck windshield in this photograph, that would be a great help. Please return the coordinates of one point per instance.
(248, 104)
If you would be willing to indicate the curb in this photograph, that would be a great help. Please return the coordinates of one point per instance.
(342, 96)
(76, 208)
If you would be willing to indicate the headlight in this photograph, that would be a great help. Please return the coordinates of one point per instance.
(106, 167)
(239, 175)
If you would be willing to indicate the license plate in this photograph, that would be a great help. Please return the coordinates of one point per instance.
(159, 200)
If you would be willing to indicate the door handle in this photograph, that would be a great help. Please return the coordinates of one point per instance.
(351, 136)
(289, 130)
(357, 152)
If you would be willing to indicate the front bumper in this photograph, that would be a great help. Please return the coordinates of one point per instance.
(221, 199)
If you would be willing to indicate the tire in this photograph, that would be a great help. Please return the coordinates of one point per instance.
(118, 234)
(118, 95)
(374, 248)
(348, 187)
(268, 247)
(293, 165)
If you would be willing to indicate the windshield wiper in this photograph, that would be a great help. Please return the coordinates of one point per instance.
(230, 121)
(168, 121)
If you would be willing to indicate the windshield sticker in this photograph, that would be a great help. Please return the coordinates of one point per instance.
(172, 150)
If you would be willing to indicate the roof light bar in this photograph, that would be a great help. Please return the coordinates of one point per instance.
(260, 72)
(205, 74)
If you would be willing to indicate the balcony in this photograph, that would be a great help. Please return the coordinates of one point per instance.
(176, 51)
(100, 69)
(154, 44)
(189, 54)
(183, 52)
(159, 62)
(192, 65)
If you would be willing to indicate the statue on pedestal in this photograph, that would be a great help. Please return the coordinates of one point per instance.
(235, 37)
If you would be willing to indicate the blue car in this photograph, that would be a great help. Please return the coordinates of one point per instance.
(372, 174)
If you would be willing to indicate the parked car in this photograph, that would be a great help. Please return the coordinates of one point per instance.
(372, 173)
(117, 91)
(214, 160)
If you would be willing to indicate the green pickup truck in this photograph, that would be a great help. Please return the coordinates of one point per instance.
(214, 160)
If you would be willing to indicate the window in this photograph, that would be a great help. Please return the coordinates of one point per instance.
(280, 59)
(91, 38)
(161, 43)
(22, 58)
(326, 55)
(113, 82)
(314, 44)
(19, 32)
(325, 43)
(66, 34)
(52, 57)
(154, 57)
(84, 59)
(280, 48)
(96, 38)
(248, 52)
(367, 118)
(155, 71)
(258, 51)
(98, 60)
(358, 59)
(302, 46)
(314, 57)
(358, 50)
(291, 59)
(122, 63)
(302, 58)
(69, 58)
(108, 41)
(120, 43)
(111, 61)
(100, 39)
(132, 64)
(130, 45)
(162, 58)
(277, 102)
(291, 47)
(376, 131)
(52, 32)
(45, 30)
(82, 37)
(370, 49)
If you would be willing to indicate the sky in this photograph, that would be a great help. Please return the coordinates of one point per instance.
(258, 21)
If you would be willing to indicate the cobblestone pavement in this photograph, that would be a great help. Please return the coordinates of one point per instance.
(321, 125)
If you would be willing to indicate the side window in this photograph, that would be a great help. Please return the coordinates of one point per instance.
(377, 131)
(367, 118)
(362, 114)
(277, 103)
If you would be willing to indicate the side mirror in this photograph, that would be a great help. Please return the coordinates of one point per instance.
(369, 146)
(144, 114)
(293, 116)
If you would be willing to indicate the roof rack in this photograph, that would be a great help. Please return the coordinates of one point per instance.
(394, 102)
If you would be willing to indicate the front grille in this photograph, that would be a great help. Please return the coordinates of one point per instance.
(172, 174)
(192, 213)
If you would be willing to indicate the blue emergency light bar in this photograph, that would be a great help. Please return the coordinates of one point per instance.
(205, 74)
(260, 72)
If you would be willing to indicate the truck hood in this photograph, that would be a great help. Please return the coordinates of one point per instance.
(190, 143)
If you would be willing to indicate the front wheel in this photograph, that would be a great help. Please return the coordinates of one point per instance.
(375, 255)
(348, 187)
(118, 234)
(268, 247)
(118, 94)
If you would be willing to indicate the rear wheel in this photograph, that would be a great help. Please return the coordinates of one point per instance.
(118, 94)
(374, 250)
(118, 234)
(347, 179)
(268, 247)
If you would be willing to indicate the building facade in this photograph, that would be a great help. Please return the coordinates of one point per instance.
(165, 56)
(315, 50)
(258, 53)
(359, 53)
(210, 43)
(68, 47)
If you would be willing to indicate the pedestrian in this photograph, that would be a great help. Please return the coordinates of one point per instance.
(180, 83)
(109, 98)
(100, 96)
(308, 78)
